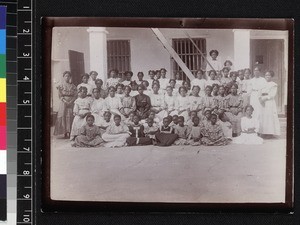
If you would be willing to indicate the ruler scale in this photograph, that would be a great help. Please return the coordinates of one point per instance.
(11, 104)
(24, 108)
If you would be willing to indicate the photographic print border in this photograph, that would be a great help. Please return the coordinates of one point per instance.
(221, 23)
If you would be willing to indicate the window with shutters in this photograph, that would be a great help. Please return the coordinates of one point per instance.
(118, 55)
(189, 55)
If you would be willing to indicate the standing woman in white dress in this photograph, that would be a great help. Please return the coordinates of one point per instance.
(257, 83)
(269, 122)
(214, 62)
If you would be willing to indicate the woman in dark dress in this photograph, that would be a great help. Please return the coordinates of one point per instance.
(143, 103)
(67, 94)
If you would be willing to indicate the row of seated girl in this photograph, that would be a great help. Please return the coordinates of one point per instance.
(213, 130)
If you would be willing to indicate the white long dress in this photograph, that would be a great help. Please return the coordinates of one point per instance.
(115, 136)
(183, 103)
(158, 102)
(216, 64)
(170, 104)
(269, 122)
(98, 108)
(114, 105)
(245, 138)
(81, 106)
(196, 103)
(257, 84)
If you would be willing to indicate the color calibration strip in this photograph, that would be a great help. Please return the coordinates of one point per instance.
(3, 165)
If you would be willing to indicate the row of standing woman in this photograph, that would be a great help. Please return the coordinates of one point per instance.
(226, 94)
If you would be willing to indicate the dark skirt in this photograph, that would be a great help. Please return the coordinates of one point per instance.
(64, 119)
(132, 141)
(164, 139)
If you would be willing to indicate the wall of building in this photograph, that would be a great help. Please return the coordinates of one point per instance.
(147, 52)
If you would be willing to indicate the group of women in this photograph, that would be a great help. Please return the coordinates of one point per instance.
(243, 104)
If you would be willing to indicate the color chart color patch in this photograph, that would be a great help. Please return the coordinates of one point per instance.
(3, 165)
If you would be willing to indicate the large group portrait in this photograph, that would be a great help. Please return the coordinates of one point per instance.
(158, 114)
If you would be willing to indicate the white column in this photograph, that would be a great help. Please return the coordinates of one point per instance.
(98, 51)
(241, 49)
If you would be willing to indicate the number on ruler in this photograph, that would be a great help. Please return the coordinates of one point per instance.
(26, 54)
(26, 219)
(26, 149)
(26, 30)
(26, 172)
(25, 78)
(26, 196)
(26, 101)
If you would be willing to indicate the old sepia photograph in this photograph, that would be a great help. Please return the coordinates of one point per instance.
(169, 115)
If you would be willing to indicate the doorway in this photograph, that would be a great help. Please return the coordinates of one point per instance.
(269, 54)
(76, 60)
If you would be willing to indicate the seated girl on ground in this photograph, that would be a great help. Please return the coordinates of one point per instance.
(212, 133)
(89, 134)
(151, 129)
(194, 138)
(182, 131)
(165, 135)
(226, 125)
(137, 135)
(116, 134)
